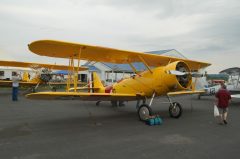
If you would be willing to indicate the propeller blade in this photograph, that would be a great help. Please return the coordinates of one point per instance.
(196, 74)
(174, 72)
(179, 73)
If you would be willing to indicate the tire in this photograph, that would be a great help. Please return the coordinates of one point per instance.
(144, 111)
(175, 110)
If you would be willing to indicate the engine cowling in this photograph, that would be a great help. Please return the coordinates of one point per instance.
(178, 82)
(46, 75)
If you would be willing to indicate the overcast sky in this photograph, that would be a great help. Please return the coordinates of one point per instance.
(205, 30)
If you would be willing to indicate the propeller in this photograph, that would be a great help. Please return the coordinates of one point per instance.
(180, 73)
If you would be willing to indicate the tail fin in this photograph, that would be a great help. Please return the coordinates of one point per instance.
(96, 84)
(25, 77)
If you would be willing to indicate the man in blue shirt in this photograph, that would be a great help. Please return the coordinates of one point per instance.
(15, 84)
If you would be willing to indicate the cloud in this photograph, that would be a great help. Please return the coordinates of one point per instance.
(200, 29)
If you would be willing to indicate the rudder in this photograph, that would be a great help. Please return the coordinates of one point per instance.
(97, 83)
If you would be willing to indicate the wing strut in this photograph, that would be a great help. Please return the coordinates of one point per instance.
(76, 71)
(69, 74)
(133, 68)
(145, 63)
(72, 71)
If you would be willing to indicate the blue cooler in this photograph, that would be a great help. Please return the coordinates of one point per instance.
(158, 121)
(150, 121)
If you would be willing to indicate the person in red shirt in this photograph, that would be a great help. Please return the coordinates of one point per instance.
(223, 97)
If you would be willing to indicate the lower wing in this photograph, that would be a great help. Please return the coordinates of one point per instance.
(84, 89)
(9, 83)
(83, 96)
(184, 92)
(64, 83)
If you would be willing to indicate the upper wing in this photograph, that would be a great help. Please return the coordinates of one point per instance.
(62, 49)
(232, 71)
(83, 96)
(30, 65)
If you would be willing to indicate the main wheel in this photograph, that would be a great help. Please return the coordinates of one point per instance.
(175, 110)
(144, 111)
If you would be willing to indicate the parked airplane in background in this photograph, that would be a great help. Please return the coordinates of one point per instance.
(43, 74)
(163, 76)
(232, 84)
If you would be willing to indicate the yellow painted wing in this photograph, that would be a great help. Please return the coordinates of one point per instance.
(64, 83)
(185, 92)
(62, 49)
(30, 65)
(9, 83)
(83, 89)
(83, 96)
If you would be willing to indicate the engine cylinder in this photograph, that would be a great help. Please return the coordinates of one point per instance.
(178, 82)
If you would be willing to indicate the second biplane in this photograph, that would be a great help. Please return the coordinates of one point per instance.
(43, 74)
(163, 75)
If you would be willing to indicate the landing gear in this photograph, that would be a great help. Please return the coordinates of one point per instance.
(175, 110)
(33, 90)
(144, 111)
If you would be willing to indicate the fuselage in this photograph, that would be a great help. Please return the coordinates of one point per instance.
(157, 80)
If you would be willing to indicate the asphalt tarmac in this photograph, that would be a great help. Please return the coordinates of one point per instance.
(73, 129)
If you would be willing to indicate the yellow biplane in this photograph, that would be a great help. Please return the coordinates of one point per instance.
(43, 74)
(163, 75)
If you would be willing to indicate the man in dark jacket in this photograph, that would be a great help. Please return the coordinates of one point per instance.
(223, 96)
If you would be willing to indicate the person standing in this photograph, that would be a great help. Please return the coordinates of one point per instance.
(15, 84)
(223, 97)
